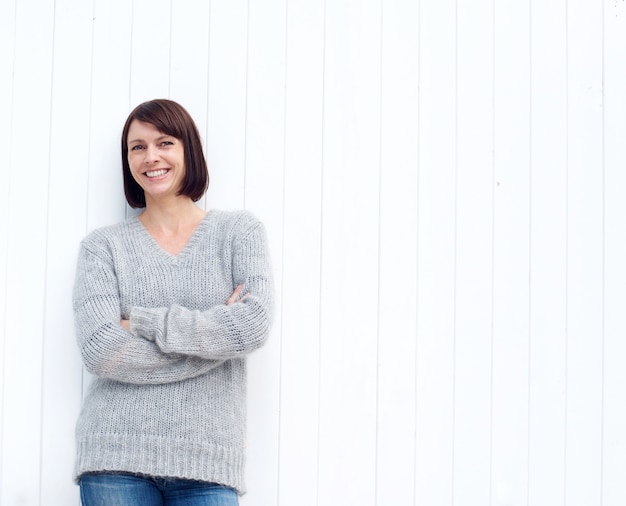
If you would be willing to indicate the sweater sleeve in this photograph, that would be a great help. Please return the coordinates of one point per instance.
(223, 331)
(107, 349)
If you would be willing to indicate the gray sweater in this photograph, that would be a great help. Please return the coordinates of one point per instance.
(169, 397)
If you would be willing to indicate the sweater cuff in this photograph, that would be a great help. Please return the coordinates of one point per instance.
(143, 323)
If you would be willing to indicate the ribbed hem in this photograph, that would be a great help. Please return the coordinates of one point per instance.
(154, 456)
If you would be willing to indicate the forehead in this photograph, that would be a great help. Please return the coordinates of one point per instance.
(140, 130)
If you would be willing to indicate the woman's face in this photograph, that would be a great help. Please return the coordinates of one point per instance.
(156, 160)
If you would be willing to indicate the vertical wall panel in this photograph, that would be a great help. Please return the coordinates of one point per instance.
(69, 157)
(189, 58)
(26, 255)
(397, 304)
(474, 251)
(347, 461)
(226, 130)
(264, 167)
(110, 104)
(150, 50)
(509, 479)
(614, 372)
(584, 255)
(189, 62)
(548, 239)
(299, 390)
(7, 49)
(436, 261)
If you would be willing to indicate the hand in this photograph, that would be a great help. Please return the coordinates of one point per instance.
(125, 324)
(233, 298)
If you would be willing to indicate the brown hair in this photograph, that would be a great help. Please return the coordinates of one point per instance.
(172, 119)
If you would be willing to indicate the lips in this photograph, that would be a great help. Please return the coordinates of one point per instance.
(156, 173)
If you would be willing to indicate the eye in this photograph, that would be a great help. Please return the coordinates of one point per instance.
(167, 143)
(137, 147)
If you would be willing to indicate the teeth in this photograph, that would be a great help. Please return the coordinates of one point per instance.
(156, 173)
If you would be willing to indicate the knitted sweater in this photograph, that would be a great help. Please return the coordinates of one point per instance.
(169, 397)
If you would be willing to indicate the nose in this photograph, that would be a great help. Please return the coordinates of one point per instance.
(151, 155)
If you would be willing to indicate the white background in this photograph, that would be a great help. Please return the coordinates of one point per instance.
(443, 183)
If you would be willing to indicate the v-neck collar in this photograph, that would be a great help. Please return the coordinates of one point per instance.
(150, 242)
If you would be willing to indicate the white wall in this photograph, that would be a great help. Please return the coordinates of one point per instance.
(443, 184)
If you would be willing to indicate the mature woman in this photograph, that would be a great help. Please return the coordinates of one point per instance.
(167, 306)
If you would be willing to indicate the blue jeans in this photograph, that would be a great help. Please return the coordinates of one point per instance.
(119, 489)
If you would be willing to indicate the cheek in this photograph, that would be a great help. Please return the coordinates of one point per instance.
(134, 169)
(134, 164)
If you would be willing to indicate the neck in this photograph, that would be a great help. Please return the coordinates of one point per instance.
(171, 214)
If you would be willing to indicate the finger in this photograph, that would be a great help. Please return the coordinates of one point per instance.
(235, 295)
(233, 298)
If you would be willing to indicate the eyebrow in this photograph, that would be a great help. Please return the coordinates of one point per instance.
(165, 136)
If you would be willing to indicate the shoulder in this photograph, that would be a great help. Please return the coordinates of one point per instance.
(236, 224)
(103, 239)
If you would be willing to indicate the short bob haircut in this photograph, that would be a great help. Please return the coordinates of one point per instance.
(172, 119)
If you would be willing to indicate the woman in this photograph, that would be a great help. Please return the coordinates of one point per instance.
(167, 306)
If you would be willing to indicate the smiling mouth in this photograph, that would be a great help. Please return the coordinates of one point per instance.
(156, 173)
